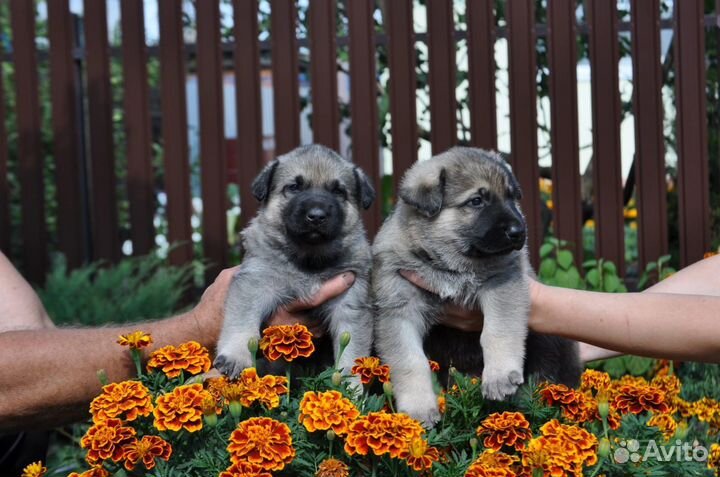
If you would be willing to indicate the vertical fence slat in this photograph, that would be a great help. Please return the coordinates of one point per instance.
(481, 73)
(441, 78)
(523, 117)
(693, 194)
(363, 97)
(402, 80)
(106, 243)
(30, 153)
(174, 130)
(286, 95)
(137, 126)
(4, 189)
(325, 109)
(247, 99)
(564, 123)
(607, 175)
(212, 136)
(66, 136)
(649, 141)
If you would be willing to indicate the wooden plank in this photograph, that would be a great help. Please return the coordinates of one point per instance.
(564, 123)
(140, 178)
(249, 148)
(5, 231)
(34, 234)
(212, 137)
(363, 97)
(441, 78)
(693, 193)
(607, 172)
(66, 136)
(106, 243)
(523, 114)
(286, 95)
(323, 74)
(174, 131)
(481, 73)
(649, 140)
(401, 62)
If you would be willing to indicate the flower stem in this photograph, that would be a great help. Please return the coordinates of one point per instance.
(135, 353)
(288, 376)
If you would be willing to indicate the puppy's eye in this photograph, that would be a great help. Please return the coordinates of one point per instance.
(340, 192)
(294, 187)
(476, 202)
(479, 200)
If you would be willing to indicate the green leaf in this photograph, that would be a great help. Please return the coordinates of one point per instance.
(651, 266)
(589, 263)
(565, 259)
(610, 267)
(547, 268)
(593, 278)
(563, 279)
(664, 259)
(575, 278)
(546, 249)
(637, 365)
(611, 283)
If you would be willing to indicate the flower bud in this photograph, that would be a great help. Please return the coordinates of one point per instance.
(603, 404)
(538, 472)
(452, 371)
(330, 435)
(284, 414)
(604, 447)
(102, 376)
(473, 444)
(345, 338)
(210, 420)
(253, 345)
(235, 409)
(682, 430)
(388, 388)
(337, 378)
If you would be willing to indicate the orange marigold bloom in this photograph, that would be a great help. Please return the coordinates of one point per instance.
(209, 404)
(286, 341)
(576, 406)
(332, 468)
(96, 471)
(583, 443)
(245, 469)
(669, 384)
(382, 433)
(105, 440)
(705, 409)
(146, 450)
(434, 366)
(125, 400)
(636, 399)
(507, 428)
(665, 423)
(135, 340)
(419, 456)
(328, 410)
(252, 388)
(369, 368)
(173, 360)
(262, 441)
(36, 469)
(594, 380)
(492, 464)
(216, 387)
(713, 461)
(442, 402)
(180, 409)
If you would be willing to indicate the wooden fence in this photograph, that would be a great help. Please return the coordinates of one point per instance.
(85, 142)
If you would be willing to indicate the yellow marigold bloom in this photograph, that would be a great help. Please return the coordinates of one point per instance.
(681, 406)
(381, 433)
(705, 409)
(442, 402)
(636, 399)
(286, 341)
(262, 441)
(135, 340)
(328, 410)
(669, 384)
(713, 461)
(96, 471)
(126, 400)
(250, 388)
(36, 469)
(546, 185)
(492, 464)
(434, 366)
(549, 203)
(419, 456)
(216, 387)
(507, 428)
(594, 380)
(590, 223)
(630, 213)
(665, 423)
(332, 468)
(583, 444)
(245, 469)
(369, 368)
(180, 409)
(209, 404)
(173, 360)
(146, 451)
(105, 440)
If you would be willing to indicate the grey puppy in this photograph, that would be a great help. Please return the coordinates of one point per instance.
(459, 226)
(308, 229)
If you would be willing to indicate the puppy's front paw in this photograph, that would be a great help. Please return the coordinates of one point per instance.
(498, 384)
(232, 364)
(421, 407)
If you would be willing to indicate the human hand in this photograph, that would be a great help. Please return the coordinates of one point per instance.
(454, 316)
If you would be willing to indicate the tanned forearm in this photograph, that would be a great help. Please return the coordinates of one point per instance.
(50, 376)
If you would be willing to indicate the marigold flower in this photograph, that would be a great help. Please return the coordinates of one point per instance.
(434, 366)
(584, 444)
(576, 406)
(492, 464)
(332, 468)
(327, 410)
(594, 380)
(713, 461)
(173, 360)
(709, 254)
(669, 384)
(135, 340)
(262, 441)
(96, 471)
(180, 409)
(286, 341)
(442, 402)
(266, 390)
(705, 409)
(636, 399)
(146, 450)
(125, 400)
(381, 433)
(419, 456)
(245, 469)
(36, 469)
(507, 428)
(209, 405)
(105, 440)
(369, 368)
(665, 423)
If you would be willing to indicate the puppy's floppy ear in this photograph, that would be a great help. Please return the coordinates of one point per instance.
(364, 191)
(263, 182)
(423, 187)
(512, 181)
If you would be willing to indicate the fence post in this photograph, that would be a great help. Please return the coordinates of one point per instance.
(481, 73)
(286, 95)
(441, 77)
(323, 67)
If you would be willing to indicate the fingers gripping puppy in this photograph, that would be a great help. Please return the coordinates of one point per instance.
(308, 229)
(459, 226)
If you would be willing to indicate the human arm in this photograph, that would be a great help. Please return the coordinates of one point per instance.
(20, 307)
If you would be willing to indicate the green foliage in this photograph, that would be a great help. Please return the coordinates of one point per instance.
(655, 272)
(557, 265)
(601, 275)
(136, 288)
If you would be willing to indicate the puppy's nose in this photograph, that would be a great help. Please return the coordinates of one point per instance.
(515, 233)
(316, 216)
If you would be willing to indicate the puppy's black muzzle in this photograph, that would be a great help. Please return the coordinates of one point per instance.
(314, 217)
